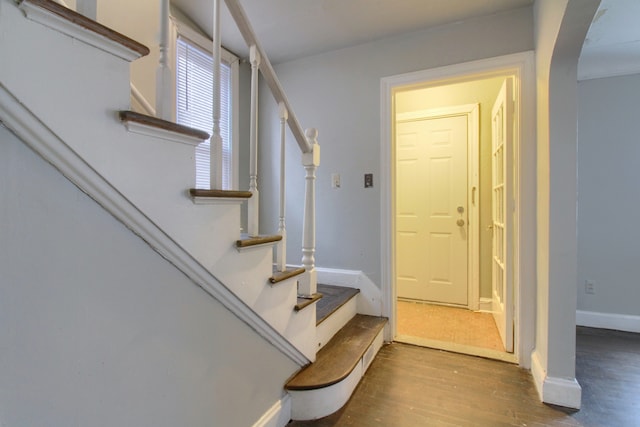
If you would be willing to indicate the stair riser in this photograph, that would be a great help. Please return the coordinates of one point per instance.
(314, 404)
(330, 326)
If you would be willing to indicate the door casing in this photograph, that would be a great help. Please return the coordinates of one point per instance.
(522, 67)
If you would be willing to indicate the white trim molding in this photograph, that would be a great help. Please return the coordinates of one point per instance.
(41, 139)
(555, 391)
(278, 415)
(618, 322)
(164, 134)
(522, 67)
(369, 301)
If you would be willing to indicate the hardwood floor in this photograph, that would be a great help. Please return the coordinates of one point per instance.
(409, 386)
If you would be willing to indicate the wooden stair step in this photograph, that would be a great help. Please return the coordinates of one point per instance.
(190, 135)
(279, 276)
(222, 194)
(334, 298)
(79, 20)
(259, 240)
(304, 302)
(340, 356)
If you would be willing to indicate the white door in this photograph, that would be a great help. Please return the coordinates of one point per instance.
(431, 209)
(502, 212)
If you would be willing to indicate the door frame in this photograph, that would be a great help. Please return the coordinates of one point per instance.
(522, 67)
(472, 113)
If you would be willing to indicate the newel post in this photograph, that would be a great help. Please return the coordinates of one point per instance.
(253, 203)
(310, 161)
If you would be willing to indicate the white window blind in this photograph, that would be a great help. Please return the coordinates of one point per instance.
(194, 98)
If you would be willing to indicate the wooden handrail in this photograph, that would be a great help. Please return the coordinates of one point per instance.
(239, 15)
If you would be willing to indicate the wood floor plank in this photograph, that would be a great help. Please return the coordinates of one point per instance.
(409, 386)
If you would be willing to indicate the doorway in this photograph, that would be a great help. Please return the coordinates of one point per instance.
(465, 258)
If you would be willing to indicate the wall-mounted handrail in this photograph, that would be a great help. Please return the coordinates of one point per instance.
(239, 15)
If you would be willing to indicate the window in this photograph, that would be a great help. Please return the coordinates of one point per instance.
(194, 107)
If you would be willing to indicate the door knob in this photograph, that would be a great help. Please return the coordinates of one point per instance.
(460, 209)
(460, 222)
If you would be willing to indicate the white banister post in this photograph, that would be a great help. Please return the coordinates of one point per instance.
(215, 163)
(281, 256)
(254, 202)
(310, 161)
(163, 74)
(88, 8)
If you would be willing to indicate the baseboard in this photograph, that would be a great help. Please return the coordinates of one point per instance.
(486, 305)
(370, 298)
(553, 390)
(618, 322)
(278, 415)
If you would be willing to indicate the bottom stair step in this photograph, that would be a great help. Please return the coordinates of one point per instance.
(324, 386)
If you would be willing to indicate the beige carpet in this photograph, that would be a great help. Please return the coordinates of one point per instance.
(448, 324)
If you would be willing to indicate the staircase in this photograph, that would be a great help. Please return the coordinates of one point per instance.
(140, 168)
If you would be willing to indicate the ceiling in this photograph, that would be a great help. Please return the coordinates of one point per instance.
(612, 45)
(291, 29)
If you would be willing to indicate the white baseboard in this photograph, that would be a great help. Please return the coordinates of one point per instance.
(370, 298)
(486, 305)
(278, 415)
(552, 390)
(619, 322)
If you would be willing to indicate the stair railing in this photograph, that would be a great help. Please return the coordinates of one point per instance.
(307, 142)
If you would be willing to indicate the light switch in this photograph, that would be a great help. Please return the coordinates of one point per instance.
(368, 180)
(335, 180)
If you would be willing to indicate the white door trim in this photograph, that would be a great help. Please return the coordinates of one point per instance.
(472, 112)
(522, 67)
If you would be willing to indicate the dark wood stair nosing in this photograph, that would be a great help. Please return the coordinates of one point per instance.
(337, 360)
(304, 302)
(259, 240)
(221, 194)
(127, 116)
(280, 276)
(89, 25)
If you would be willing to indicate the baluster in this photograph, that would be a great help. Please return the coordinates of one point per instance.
(216, 139)
(282, 229)
(163, 74)
(254, 201)
(88, 8)
(311, 161)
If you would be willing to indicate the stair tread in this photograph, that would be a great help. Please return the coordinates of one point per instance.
(307, 301)
(224, 194)
(334, 298)
(132, 116)
(340, 356)
(258, 240)
(90, 25)
(279, 276)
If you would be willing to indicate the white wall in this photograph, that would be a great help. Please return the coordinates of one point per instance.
(484, 93)
(560, 28)
(97, 329)
(608, 194)
(338, 93)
